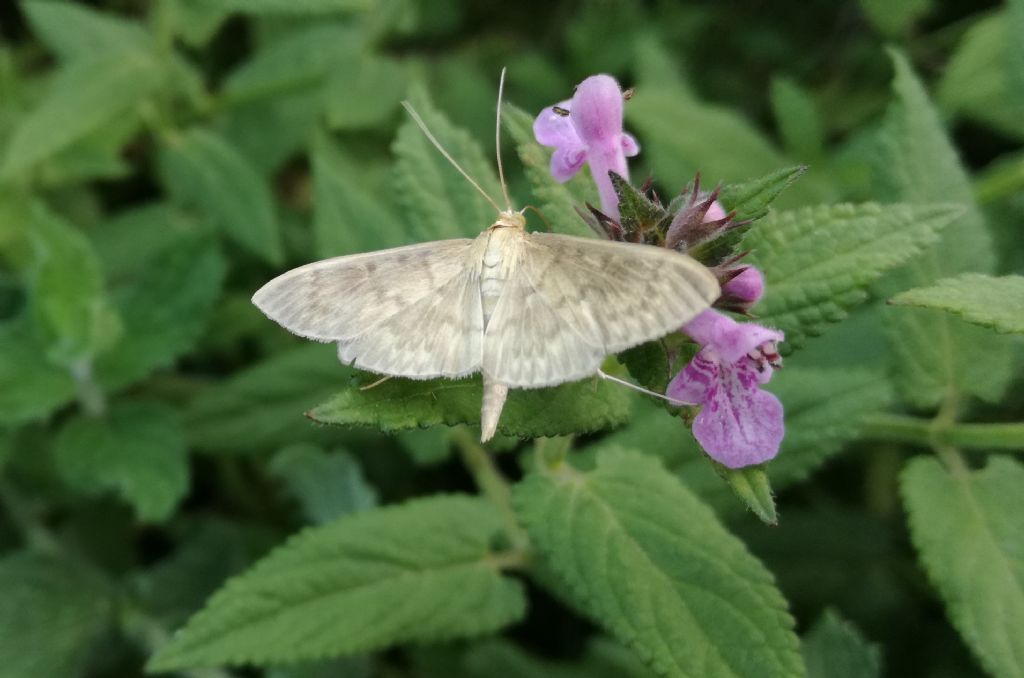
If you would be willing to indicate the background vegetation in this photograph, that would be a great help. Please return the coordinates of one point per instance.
(160, 161)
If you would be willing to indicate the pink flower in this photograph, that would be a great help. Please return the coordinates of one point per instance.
(746, 287)
(739, 424)
(588, 129)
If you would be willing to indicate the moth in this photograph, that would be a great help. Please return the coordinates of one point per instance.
(527, 309)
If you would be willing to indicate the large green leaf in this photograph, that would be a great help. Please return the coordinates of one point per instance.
(648, 561)
(603, 658)
(302, 59)
(297, 7)
(967, 529)
(84, 95)
(205, 172)
(66, 288)
(937, 356)
(681, 136)
(985, 300)
(894, 18)
(325, 485)
(818, 260)
(558, 201)
(439, 201)
(401, 404)
(833, 648)
(76, 31)
(53, 611)
(261, 407)
(366, 94)
(137, 449)
(422, 571)
(164, 306)
(978, 82)
(348, 215)
(30, 388)
(798, 119)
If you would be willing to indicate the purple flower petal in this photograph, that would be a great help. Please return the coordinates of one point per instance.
(747, 286)
(552, 129)
(730, 339)
(740, 424)
(715, 212)
(566, 162)
(596, 110)
(629, 145)
(693, 382)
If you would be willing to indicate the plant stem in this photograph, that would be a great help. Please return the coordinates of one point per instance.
(904, 429)
(491, 482)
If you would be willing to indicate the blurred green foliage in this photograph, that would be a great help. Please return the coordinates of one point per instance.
(159, 161)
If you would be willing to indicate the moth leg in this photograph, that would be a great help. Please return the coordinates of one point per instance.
(641, 389)
(376, 383)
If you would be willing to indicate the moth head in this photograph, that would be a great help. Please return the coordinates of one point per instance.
(510, 219)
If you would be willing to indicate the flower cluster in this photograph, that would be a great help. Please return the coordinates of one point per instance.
(738, 424)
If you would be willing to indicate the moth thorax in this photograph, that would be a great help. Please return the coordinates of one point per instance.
(510, 219)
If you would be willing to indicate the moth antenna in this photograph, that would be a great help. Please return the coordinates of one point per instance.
(641, 389)
(437, 144)
(497, 140)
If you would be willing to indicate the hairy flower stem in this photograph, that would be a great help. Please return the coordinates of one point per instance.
(904, 429)
(492, 484)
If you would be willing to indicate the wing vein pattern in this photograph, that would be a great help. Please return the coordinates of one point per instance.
(409, 311)
(572, 301)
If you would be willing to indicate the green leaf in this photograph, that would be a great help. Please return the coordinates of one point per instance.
(818, 260)
(682, 592)
(164, 307)
(603, 658)
(683, 136)
(204, 171)
(67, 291)
(52, 614)
(349, 216)
(208, 552)
(76, 31)
(825, 409)
(326, 486)
(261, 407)
(346, 667)
(797, 117)
(84, 95)
(834, 648)
(916, 163)
(1013, 65)
(302, 59)
(978, 81)
(556, 200)
(966, 528)
(419, 572)
(297, 7)
(137, 449)
(750, 200)
(30, 388)
(401, 404)
(988, 301)
(895, 18)
(365, 95)
(439, 201)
